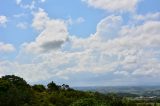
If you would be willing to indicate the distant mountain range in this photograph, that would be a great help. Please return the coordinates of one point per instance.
(135, 90)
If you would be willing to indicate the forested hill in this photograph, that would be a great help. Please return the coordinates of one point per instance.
(14, 91)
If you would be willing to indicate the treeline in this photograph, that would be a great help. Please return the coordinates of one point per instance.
(14, 91)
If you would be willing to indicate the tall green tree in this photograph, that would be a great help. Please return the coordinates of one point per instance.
(53, 87)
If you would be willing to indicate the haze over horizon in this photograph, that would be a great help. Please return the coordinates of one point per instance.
(81, 42)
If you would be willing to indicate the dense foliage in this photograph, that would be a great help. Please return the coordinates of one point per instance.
(14, 91)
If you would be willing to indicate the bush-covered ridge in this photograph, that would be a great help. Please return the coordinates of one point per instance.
(14, 91)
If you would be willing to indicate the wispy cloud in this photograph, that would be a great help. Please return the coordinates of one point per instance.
(71, 21)
(22, 25)
(19, 15)
(31, 5)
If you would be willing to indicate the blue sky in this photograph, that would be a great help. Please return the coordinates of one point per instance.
(81, 42)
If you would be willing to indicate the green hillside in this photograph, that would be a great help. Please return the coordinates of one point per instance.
(15, 91)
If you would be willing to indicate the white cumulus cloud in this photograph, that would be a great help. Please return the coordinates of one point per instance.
(3, 20)
(5, 47)
(115, 52)
(53, 33)
(113, 5)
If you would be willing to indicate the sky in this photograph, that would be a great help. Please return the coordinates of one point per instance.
(81, 42)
